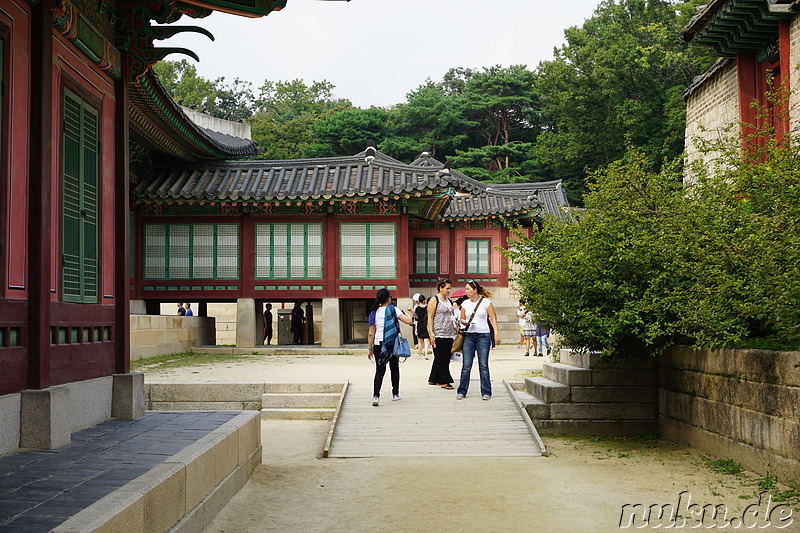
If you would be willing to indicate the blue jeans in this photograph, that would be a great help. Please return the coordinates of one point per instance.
(542, 340)
(480, 343)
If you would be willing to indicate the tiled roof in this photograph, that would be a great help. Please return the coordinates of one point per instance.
(550, 194)
(159, 123)
(366, 174)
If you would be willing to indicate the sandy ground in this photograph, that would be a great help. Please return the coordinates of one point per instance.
(581, 486)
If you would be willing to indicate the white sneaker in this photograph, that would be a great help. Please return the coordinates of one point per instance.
(486, 397)
(459, 396)
(395, 397)
(376, 400)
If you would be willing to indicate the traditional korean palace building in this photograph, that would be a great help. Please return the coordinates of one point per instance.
(758, 44)
(112, 198)
(328, 231)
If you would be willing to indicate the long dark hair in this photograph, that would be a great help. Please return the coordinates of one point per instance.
(380, 298)
(442, 282)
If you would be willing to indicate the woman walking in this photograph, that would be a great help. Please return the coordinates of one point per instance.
(422, 327)
(383, 330)
(526, 328)
(477, 315)
(442, 331)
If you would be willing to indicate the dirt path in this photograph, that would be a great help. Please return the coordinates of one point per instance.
(581, 486)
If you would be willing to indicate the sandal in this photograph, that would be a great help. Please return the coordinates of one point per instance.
(447, 386)
(432, 383)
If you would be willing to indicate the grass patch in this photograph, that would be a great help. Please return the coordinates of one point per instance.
(534, 373)
(723, 466)
(182, 360)
(616, 447)
(770, 343)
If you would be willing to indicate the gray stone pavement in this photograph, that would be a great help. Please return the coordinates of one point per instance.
(40, 489)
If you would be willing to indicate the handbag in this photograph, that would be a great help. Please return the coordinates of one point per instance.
(401, 348)
(458, 341)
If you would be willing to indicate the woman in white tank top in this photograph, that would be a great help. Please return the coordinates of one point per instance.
(477, 315)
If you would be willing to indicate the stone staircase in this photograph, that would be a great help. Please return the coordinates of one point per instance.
(301, 401)
(581, 396)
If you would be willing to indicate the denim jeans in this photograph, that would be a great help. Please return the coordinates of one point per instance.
(480, 343)
(542, 340)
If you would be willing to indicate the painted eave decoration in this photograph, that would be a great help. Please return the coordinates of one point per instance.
(247, 8)
(739, 26)
(159, 124)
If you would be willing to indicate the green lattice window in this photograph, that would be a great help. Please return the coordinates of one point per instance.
(426, 253)
(191, 251)
(79, 278)
(288, 251)
(477, 256)
(368, 250)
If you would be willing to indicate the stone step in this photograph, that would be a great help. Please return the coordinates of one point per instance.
(611, 428)
(602, 411)
(567, 374)
(596, 394)
(302, 388)
(547, 390)
(328, 400)
(536, 408)
(298, 414)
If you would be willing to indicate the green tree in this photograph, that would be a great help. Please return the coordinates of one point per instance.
(429, 120)
(185, 85)
(347, 132)
(619, 78)
(285, 113)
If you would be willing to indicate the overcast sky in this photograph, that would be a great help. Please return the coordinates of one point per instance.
(376, 51)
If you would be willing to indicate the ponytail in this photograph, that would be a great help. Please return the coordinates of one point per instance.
(382, 296)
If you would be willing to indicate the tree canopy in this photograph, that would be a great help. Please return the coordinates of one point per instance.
(617, 80)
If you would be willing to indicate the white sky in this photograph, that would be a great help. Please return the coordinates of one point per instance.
(376, 51)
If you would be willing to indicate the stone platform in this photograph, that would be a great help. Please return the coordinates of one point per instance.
(166, 471)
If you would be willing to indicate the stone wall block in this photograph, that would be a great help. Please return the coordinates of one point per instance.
(623, 378)
(128, 398)
(45, 421)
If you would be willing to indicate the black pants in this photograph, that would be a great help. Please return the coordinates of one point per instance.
(380, 371)
(297, 333)
(440, 370)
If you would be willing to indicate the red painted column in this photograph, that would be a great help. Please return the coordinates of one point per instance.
(247, 257)
(330, 256)
(747, 77)
(41, 160)
(122, 319)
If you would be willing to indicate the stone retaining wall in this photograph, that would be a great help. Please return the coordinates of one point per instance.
(153, 335)
(738, 404)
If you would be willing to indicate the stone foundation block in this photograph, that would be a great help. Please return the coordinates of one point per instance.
(45, 421)
(326, 400)
(612, 428)
(603, 411)
(127, 401)
(9, 422)
(613, 394)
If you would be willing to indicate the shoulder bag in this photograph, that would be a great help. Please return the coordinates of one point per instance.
(458, 342)
(401, 348)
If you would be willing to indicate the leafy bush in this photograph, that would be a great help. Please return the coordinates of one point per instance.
(650, 262)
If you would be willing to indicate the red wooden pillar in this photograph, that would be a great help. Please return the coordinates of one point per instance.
(122, 319)
(330, 259)
(39, 198)
(247, 257)
(747, 78)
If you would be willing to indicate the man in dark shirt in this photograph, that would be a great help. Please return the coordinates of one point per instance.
(298, 316)
(268, 324)
(181, 310)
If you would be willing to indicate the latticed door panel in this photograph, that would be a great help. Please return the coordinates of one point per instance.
(80, 197)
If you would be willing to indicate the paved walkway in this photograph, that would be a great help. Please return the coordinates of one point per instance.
(41, 489)
(430, 422)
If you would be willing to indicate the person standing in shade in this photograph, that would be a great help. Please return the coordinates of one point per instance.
(189, 311)
(297, 317)
(383, 330)
(181, 310)
(541, 330)
(268, 325)
(422, 327)
(413, 310)
(477, 314)
(442, 331)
